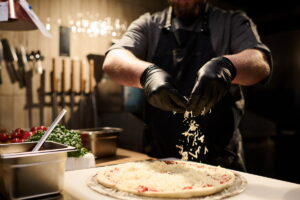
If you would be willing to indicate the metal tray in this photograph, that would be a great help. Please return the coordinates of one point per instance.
(25, 174)
(102, 142)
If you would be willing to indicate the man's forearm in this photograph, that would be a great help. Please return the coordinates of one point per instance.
(251, 66)
(124, 68)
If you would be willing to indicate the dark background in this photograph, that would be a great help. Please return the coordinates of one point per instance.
(271, 124)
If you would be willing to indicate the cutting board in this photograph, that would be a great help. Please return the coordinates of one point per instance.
(258, 188)
(76, 188)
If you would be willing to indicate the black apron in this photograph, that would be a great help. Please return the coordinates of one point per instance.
(182, 54)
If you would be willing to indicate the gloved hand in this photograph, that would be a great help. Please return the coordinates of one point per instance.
(160, 90)
(212, 82)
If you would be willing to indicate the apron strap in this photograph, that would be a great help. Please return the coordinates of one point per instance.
(183, 54)
(168, 23)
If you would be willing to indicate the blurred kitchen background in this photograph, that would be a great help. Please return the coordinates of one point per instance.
(40, 75)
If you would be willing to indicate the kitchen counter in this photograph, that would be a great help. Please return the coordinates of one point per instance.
(258, 187)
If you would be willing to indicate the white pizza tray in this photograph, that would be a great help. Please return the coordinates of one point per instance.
(258, 187)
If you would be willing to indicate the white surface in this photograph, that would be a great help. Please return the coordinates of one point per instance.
(258, 188)
(84, 162)
(3, 11)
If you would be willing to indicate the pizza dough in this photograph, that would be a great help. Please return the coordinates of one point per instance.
(167, 179)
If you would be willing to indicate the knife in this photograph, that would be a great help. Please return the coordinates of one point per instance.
(41, 92)
(82, 96)
(72, 93)
(10, 57)
(22, 61)
(1, 61)
(38, 61)
(63, 86)
(54, 85)
(31, 60)
(92, 93)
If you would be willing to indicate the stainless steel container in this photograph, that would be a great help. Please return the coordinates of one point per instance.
(25, 174)
(102, 142)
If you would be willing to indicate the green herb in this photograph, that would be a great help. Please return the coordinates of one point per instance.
(64, 136)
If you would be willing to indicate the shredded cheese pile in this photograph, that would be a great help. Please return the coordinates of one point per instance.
(160, 176)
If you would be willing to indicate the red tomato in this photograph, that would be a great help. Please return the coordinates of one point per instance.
(16, 140)
(38, 128)
(19, 130)
(33, 129)
(42, 128)
(15, 135)
(26, 135)
(4, 137)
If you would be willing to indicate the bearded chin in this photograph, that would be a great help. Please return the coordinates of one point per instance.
(186, 13)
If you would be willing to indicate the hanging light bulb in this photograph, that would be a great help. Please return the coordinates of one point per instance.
(48, 23)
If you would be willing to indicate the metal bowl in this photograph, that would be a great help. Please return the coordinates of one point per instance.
(25, 174)
(102, 142)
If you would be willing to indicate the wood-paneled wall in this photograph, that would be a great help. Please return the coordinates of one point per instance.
(16, 110)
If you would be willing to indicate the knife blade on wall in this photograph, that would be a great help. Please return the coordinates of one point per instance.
(92, 94)
(22, 63)
(41, 92)
(72, 93)
(63, 87)
(1, 61)
(82, 96)
(39, 62)
(54, 87)
(11, 58)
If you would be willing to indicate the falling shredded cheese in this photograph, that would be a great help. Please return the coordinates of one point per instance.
(193, 139)
(196, 153)
(205, 150)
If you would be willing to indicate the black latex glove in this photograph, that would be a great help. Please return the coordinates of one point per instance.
(212, 82)
(160, 90)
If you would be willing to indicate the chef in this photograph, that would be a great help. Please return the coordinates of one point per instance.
(194, 57)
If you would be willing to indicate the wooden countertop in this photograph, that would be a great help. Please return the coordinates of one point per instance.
(122, 156)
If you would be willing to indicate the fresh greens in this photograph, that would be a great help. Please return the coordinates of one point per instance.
(64, 136)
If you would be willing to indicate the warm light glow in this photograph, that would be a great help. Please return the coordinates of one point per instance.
(48, 27)
(91, 25)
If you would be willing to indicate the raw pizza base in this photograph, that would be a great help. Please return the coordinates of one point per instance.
(237, 186)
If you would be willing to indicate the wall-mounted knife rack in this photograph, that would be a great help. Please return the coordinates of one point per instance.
(81, 102)
(26, 70)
